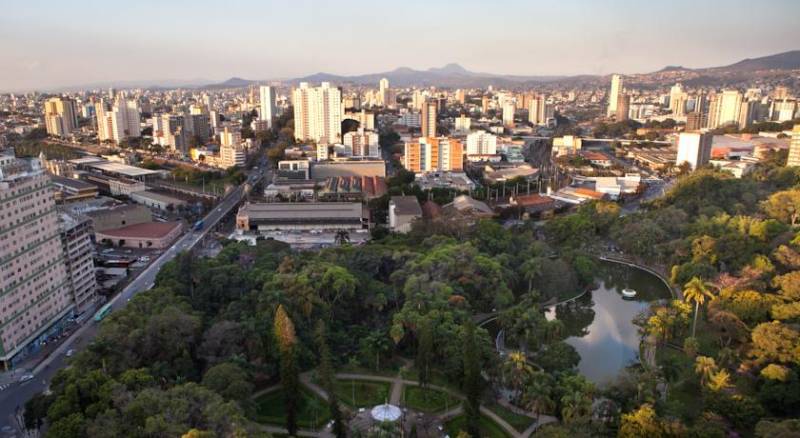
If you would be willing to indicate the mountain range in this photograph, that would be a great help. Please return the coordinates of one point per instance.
(454, 75)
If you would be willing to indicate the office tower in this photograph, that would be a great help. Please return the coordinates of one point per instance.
(267, 102)
(428, 119)
(35, 301)
(508, 113)
(75, 231)
(230, 136)
(484, 104)
(725, 109)
(694, 148)
(794, 147)
(481, 143)
(623, 107)
(433, 155)
(362, 143)
(383, 93)
(463, 123)
(317, 113)
(613, 96)
(694, 121)
(60, 116)
(201, 127)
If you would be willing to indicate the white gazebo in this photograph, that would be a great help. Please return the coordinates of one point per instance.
(386, 413)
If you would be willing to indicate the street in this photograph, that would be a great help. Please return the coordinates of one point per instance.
(17, 394)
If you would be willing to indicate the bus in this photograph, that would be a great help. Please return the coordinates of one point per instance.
(102, 313)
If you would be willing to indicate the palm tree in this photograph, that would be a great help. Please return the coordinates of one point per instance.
(706, 367)
(575, 405)
(696, 290)
(531, 268)
(537, 395)
(516, 370)
(342, 237)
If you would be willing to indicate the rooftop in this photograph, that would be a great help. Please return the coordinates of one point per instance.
(152, 230)
(406, 205)
(295, 210)
(122, 169)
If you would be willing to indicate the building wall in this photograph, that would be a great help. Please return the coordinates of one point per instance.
(34, 286)
(324, 170)
(120, 217)
(77, 246)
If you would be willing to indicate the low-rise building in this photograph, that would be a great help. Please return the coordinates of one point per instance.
(119, 216)
(70, 189)
(323, 170)
(403, 211)
(298, 216)
(153, 235)
(157, 200)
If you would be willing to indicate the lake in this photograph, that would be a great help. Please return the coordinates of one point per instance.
(599, 324)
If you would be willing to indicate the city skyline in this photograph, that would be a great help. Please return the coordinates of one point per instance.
(147, 44)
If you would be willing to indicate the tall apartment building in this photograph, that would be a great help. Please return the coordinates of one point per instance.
(317, 113)
(60, 116)
(362, 143)
(613, 96)
(35, 297)
(623, 107)
(384, 93)
(232, 155)
(170, 130)
(725, 109)
(539, 111)
(267, 108)
(481, 143)
(118, 122)
(694, 148)
(365, 120)
(508, 113)
(428, 119)
(463, 123)
(794, 147)
(230, 136)
(432, 154)
(76, 243)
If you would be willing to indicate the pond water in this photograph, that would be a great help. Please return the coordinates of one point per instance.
(600, 323)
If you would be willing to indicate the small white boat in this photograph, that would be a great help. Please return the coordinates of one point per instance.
(628, 293)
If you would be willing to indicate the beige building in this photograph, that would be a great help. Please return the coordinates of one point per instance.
(35, 294)
(60, 116)
(434, 154)
(428, 119)
(613, 95)
(794, 147)
(76, 242)
(403, 211)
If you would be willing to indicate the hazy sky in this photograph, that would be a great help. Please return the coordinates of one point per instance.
(45, 44)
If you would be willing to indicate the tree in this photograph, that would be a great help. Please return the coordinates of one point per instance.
(642, 422)
(719, 380)
(326, 378)
(424, 351)
(775, 342)
(538, 396)
(473, 381)
(290, 379)
(228, 380)
(696, 290)
(784, 206)
(706, 367)
(515, 371)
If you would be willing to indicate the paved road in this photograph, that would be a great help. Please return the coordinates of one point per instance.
(17, 394)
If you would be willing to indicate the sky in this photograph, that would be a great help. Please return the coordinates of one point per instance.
(45, 45)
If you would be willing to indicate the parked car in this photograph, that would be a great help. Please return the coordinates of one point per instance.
(25, 377)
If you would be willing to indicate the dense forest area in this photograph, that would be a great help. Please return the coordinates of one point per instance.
(186, 356)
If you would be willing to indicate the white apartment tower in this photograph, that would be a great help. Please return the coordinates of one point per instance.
(613, 95)
(317, 113)
(362, 143)
(481, 143)
(268, 111)
(694, 148)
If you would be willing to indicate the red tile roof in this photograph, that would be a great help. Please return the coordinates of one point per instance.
(150, 230)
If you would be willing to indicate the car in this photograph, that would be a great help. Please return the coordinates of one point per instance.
(25, 377)
(70, 352)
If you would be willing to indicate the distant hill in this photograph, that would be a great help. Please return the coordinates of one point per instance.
(780, 61)
(233, 82)
(449, 75)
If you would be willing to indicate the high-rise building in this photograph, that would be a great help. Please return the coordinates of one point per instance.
(76, 242)
(484, 104)
(623, 107)
(125, 119)
(463, 123)
(725, 109)
(794, 147)
(481, 143)
(539, 111)
(677, 100)
(434, 154)
(384, 93)
(428, 119)
(35, 299)
(362, 143)
(232, 155)
(60, 116)
(267, 105)
(694, 148)
(230, 136)
(317, 113)
(613, 95)
(694, 121)
(508, 113)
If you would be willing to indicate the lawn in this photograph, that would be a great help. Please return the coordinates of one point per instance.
(428, 400)
(367, 393)
(269, 408)
(489, 428)
(517, 421)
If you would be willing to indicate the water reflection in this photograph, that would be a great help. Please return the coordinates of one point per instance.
(599, 324)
